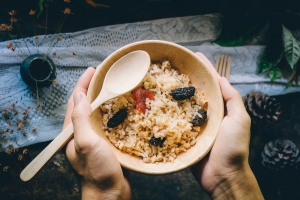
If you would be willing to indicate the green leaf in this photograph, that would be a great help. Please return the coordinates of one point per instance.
(288, 84)
(41, 8)
(274, 73)
(273, 52)
(269, 58)
(291, 47)
(239, 32)
(265, 64)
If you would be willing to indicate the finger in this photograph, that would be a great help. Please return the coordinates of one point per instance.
(84, 134)
(208, 63)
(81, 85)
(69, 149)
(85, 79)
(234, 103)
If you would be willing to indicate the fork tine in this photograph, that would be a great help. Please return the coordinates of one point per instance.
(223, 66)
(219, 63)
(227, 73)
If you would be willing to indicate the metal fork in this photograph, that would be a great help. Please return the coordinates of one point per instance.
(223, 66)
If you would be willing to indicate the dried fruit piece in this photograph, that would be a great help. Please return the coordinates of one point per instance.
(157, 141)
(140, 94)
(198, 121)
(117, 119)
(183, 93)
(203, 113)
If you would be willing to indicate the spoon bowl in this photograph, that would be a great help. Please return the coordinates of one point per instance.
(116, 82)
(124, 75)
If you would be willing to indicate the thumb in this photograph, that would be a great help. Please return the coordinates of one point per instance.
(231, 96)
(83, 131)
(234, 103)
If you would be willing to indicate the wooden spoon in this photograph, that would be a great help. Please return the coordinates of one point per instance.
(123, 76)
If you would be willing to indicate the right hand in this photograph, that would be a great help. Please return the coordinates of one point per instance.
(225, 172)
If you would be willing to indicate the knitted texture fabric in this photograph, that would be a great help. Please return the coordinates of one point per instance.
(79, 50)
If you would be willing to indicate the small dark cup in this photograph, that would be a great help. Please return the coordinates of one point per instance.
(38, 70)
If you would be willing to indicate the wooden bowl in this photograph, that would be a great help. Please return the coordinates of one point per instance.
(201, 77)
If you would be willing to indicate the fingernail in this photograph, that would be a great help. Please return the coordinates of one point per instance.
(77, 97)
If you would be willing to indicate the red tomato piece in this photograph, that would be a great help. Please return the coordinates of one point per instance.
(140, 94)
(149, 94)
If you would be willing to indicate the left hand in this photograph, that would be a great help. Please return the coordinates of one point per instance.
(90, 155)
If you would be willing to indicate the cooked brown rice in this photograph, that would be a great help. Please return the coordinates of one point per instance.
(164, 117)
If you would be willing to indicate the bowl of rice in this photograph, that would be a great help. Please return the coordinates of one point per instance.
(170, 120)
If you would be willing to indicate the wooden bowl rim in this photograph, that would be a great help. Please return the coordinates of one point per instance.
(214, 80)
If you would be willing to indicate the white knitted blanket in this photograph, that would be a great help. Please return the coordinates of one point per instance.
(91, 47)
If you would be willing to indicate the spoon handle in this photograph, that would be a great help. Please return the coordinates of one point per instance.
(104, 95)
(39, 161)
(36, 164)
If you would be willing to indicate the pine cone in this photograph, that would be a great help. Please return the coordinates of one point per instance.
(280, 154)
(261, 107)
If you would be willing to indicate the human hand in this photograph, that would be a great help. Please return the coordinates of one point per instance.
(225, 172)
(90, 155)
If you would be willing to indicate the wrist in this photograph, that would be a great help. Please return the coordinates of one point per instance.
(240, 184)
(120, 190)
